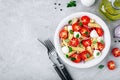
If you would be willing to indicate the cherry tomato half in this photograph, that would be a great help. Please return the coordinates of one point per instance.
(111, 65)
(76, 26)
(63, 34)
(84, 31)
(74, 42)
(76, 58)
(84, 55)
(116, 52)
(99, 31)
(86, 42)
(85, 20)
(101, 46)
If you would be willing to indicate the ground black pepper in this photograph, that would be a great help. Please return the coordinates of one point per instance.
(60, 9)
(115, 41)
(59, 4)
(119, 41)
(55, 3)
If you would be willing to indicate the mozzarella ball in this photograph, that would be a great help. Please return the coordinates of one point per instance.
(99, 39)
(77, 35)
(69, 28)
(96, 53)
(94, 34)
(65, 49)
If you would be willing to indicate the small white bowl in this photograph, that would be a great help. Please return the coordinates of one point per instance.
(107, 39)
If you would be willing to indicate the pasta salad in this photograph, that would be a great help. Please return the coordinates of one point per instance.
(82, 39)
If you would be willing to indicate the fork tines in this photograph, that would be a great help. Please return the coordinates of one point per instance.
(49, 45)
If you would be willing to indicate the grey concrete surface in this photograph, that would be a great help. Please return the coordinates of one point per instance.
(21, 55)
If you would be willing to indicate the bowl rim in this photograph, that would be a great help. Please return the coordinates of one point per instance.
(82, 65)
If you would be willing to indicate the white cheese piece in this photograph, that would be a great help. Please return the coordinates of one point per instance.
(65, 49)
(69, 28)
(94, 34)
(77, 35)
(99, 39)
(96, 53)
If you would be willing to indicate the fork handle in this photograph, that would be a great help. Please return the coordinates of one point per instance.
(59, 72)
(65, 72)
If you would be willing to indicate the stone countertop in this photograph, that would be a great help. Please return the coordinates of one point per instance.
(21, 55)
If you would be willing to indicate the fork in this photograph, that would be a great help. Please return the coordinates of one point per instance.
(51, 49)
(54, 64)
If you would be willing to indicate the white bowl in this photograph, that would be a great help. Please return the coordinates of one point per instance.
(93, 62)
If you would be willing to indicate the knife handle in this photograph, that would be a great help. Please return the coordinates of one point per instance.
(59, 72)
(65, 72)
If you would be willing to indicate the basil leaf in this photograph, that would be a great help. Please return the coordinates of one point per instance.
(101, 66)
(102, 41)
(67, 40)
(94, 42)
(70, 49)
(86, 32)
(67, 56)
(77, 36)
(72, 59)
(81, 45)
(88, 55)
(71, 31)
(80, 24)
(71, 4)
(70, 22)
(98, 53)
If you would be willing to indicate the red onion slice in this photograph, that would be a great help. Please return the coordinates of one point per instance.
(117, 32)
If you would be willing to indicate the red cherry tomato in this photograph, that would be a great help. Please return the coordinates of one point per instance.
(84, 31)
(76, 57)
(63, 34)
(84, 55)
(76, 26)
(101, 46)
(85, 20)
(90, 29)
(86, 42)
(111, 65)
(99, 31)
(116, 52)
(74, 42)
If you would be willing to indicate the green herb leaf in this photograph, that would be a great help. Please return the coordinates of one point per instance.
(77, 36)
(80, 24)
(81, 45)
(70, 49)
(71, 4)
(70, 22)
(86, 32)
(102, 41)
(67, 56)
(101, 66)
(98, 53)
(94, 42)
(88, 55)
(67, 40)
(71, 31)
(72, 59)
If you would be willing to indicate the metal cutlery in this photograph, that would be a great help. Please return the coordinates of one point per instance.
(54, 64)
(63, 69)
(53, 54)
